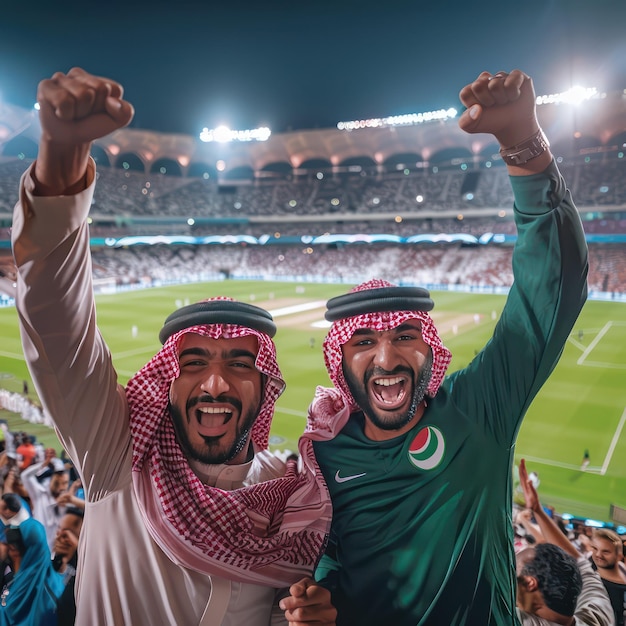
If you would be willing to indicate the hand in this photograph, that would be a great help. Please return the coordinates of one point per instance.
(530, 493)
(75, 486)
(502, 105)
(309, 603)
(65, 546)
(524, 517)
(74, 109)
(65, 498)
(67, 541)
(79, 107)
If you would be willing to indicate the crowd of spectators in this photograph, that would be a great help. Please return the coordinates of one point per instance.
(374, 194)
(42, 497)
(595, 184)
(431, 264)
(41, 509)
(431, 201)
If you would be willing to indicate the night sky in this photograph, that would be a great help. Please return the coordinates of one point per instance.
(304, 65)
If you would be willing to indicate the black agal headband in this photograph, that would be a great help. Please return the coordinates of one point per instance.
(378, 301)
(218, 312)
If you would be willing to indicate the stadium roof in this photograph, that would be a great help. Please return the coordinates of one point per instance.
(597, 124)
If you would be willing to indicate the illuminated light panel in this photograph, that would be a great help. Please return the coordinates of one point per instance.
(223, 134)
(409, 119)
(575, 95)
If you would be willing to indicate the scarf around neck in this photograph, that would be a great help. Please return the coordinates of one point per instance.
(271, 533)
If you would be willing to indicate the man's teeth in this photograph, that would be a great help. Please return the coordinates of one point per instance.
(387, 382)
(214, 415)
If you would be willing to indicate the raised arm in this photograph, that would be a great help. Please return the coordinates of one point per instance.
(549, 258)
(69, 361)
(593, 605)
(549, 529)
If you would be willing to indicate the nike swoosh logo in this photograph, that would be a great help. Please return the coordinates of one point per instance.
(345, 479)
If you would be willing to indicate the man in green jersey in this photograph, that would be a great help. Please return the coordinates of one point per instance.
(419, 463)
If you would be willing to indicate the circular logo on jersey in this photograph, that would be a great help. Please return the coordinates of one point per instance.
(427, 449)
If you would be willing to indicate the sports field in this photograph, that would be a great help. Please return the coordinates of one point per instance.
(583, 405)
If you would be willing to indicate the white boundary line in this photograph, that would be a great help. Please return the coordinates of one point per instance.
(11, 355)
(616, 436)
(298, 308)
(604, 364)
(594, 343)
(590, 470)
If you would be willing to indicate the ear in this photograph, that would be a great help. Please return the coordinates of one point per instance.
(530, 582)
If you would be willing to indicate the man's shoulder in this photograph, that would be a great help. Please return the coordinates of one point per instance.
(610, 582)
(266, 466)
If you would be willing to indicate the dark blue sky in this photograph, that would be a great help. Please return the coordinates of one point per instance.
(294, 65)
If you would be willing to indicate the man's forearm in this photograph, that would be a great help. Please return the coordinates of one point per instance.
(553, 534)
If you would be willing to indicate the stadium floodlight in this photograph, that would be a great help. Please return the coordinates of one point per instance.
(574, 95)
(409, 119)
(223, 134)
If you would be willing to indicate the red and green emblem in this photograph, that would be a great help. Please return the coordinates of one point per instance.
(427, 449)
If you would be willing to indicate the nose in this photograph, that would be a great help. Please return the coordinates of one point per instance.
(385, 355)
(214, 384)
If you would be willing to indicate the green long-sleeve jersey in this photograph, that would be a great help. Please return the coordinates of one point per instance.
(422, 531)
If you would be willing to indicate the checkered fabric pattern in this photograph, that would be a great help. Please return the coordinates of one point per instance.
(343, 329)
(279, 524)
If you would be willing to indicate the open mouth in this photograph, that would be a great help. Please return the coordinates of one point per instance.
(212, 419)
(389, 392)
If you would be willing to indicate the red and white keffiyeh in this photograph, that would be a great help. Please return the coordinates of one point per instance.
(343, 329)
(271, 533)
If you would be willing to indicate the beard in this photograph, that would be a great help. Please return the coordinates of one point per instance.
(397, 421)
(608, 564)
(213, 451)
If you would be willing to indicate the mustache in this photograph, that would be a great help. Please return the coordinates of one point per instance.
(208, 399)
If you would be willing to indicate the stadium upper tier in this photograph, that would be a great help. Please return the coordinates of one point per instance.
(402, 180)
(366, 201)
(598, 123)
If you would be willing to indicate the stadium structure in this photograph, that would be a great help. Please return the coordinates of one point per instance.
(285, 207)
(411, 200)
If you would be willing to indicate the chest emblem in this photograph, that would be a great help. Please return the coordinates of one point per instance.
(427, 449)
(345, 479)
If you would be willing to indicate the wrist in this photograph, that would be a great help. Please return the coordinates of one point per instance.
(526, 150)
(60, 169)
(43, 189)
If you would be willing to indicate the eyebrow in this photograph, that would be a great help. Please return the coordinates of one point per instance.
(235, 353)
(398, 329)
(409, 326)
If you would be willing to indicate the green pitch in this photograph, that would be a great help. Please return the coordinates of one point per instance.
(582, 406)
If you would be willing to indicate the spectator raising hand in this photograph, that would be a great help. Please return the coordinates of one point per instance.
(193, 520)
(70, 497)
(555, 583)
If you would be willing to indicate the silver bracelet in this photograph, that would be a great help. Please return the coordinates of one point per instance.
(526, 150)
